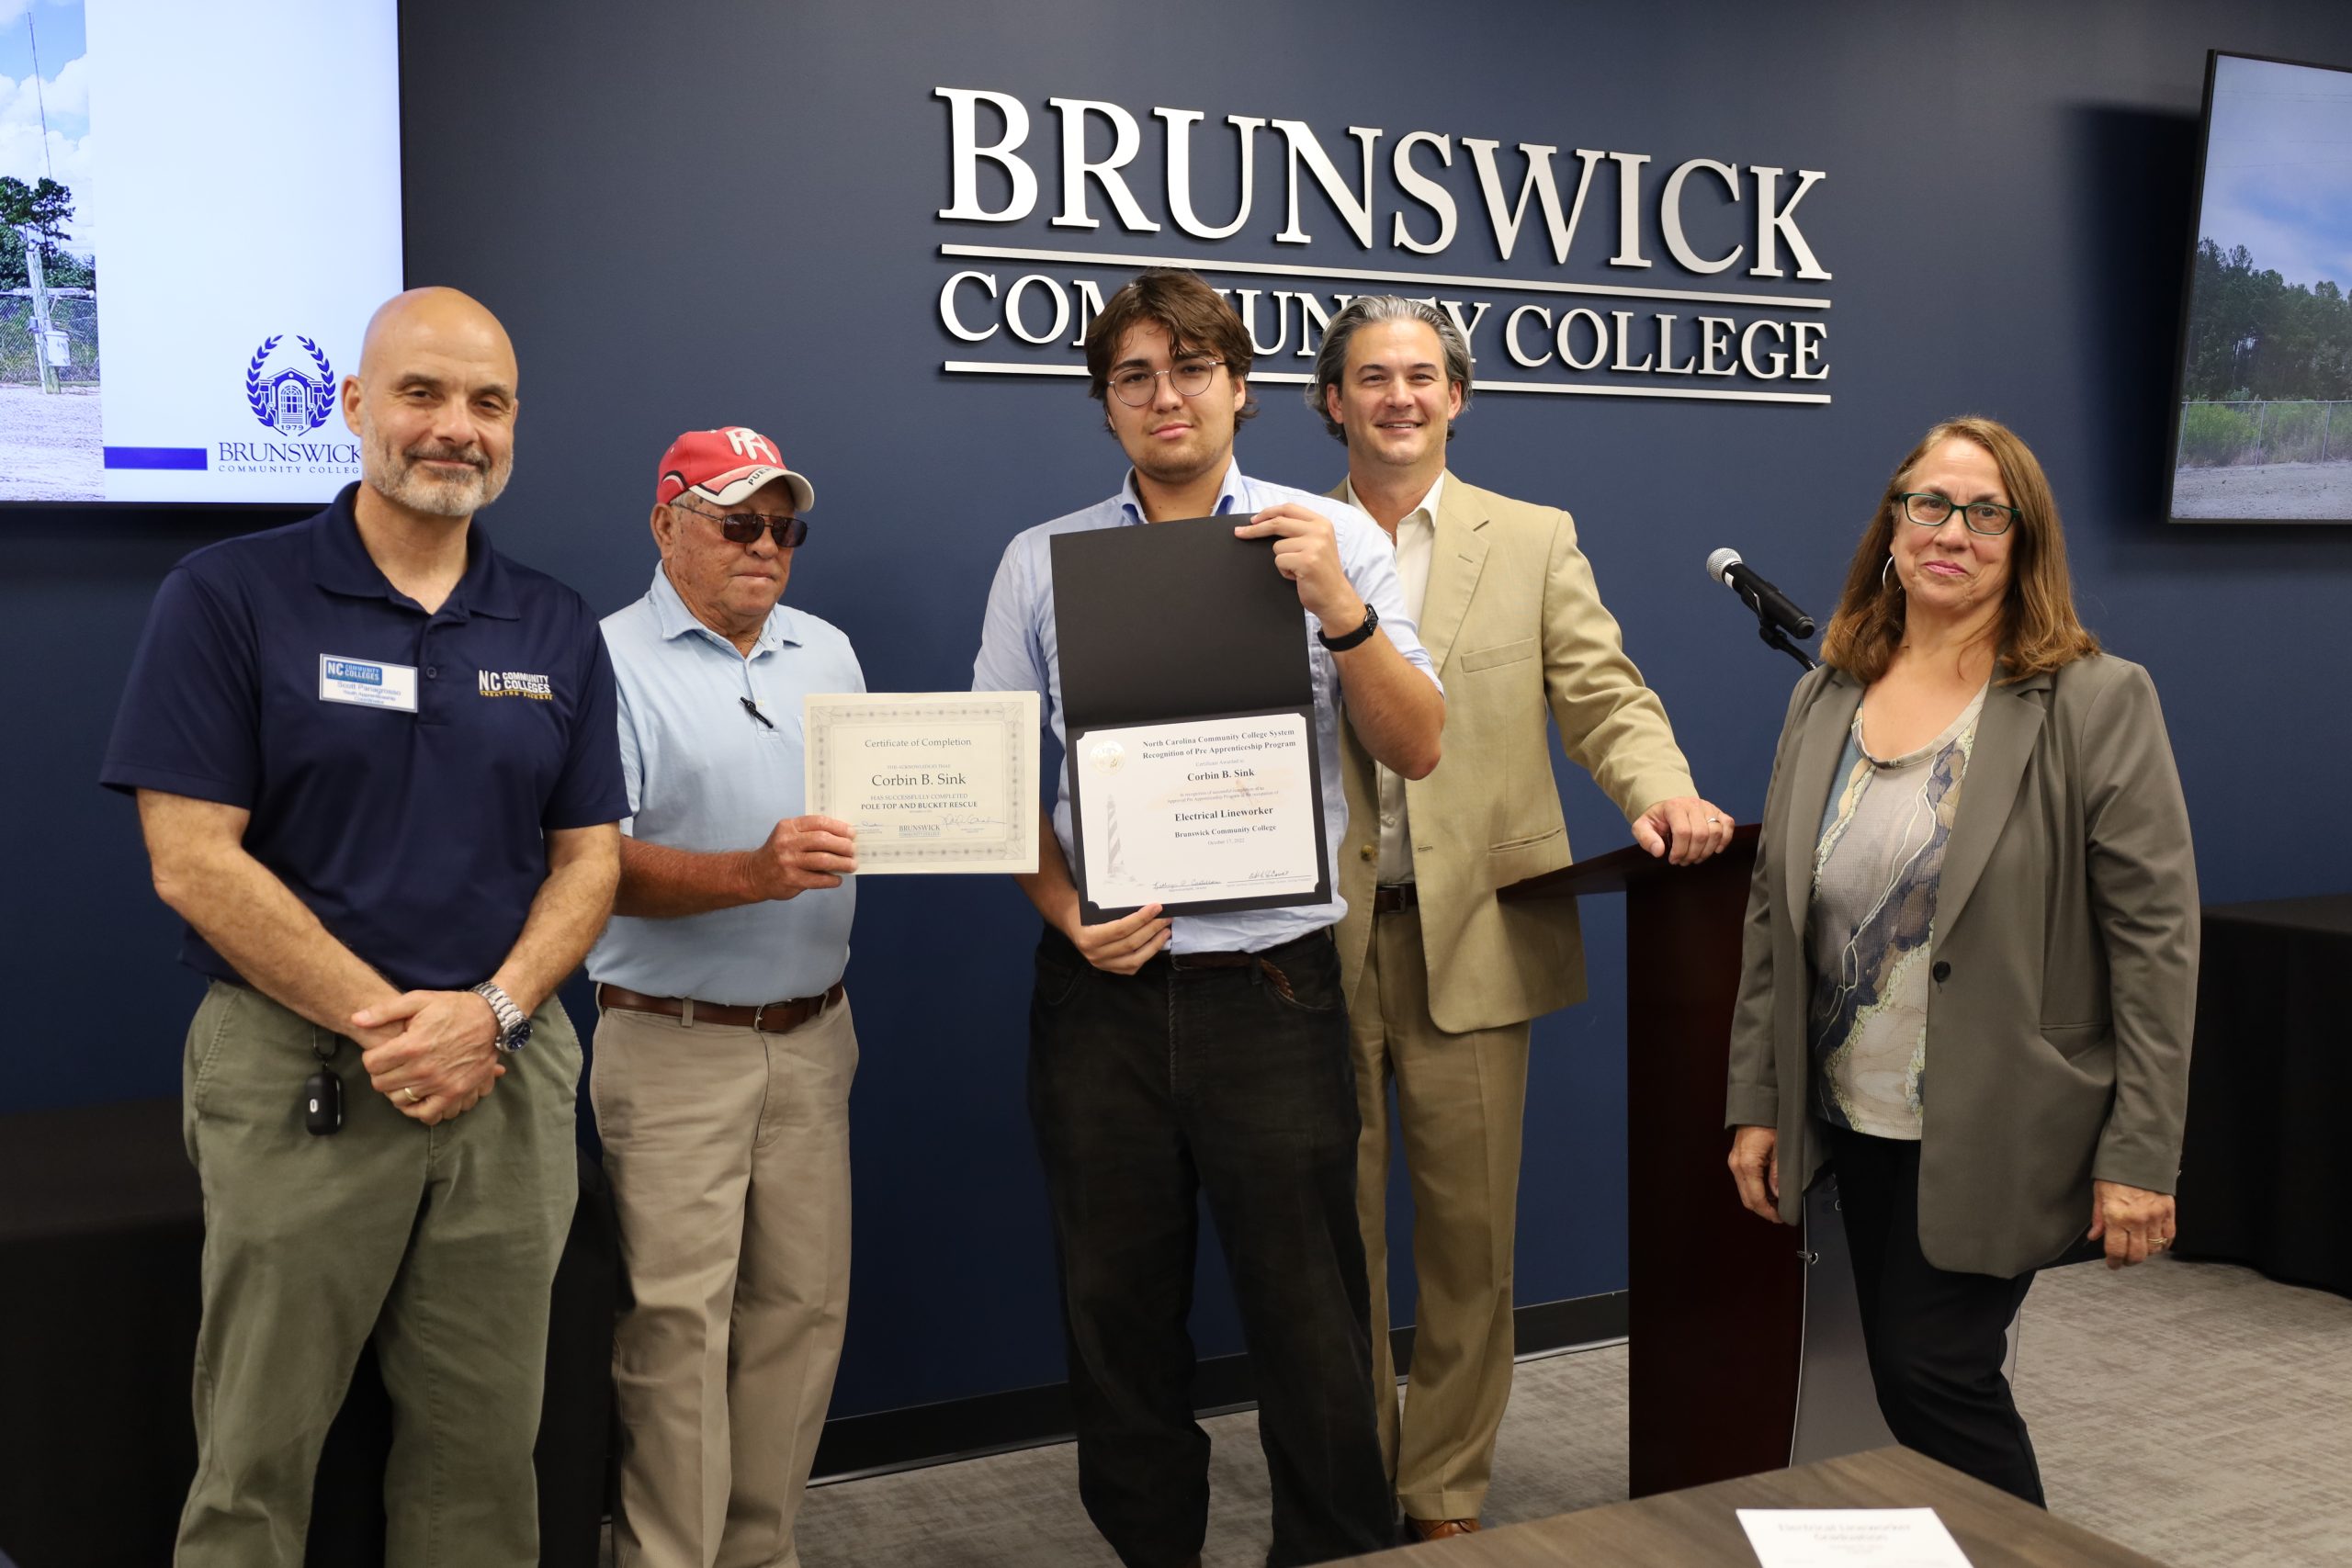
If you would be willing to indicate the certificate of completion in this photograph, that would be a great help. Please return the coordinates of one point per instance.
(932, 782)
(1199, 814)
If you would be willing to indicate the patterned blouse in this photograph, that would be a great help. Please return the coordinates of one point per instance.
(1872, 924)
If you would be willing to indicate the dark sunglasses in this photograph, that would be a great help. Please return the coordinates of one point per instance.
(744, 527)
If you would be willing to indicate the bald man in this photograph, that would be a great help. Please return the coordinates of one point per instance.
(377, 768)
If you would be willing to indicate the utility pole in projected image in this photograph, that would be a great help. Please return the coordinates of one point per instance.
(43, 339)
(42, 342)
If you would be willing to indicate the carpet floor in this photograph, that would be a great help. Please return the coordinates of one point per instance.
(2197, 1413)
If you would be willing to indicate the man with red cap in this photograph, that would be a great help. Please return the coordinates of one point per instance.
(724, 1048)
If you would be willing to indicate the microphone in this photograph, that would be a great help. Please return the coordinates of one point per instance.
(1769, 602)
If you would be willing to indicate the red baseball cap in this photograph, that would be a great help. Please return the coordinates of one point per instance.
(724, 466)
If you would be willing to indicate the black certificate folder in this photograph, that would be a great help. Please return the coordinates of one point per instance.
(1172, 622)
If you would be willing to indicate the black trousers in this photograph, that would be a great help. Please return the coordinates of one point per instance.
(1936, 1339)
(1147, 1091)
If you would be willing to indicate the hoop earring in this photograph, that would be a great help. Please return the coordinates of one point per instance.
(1883, 584)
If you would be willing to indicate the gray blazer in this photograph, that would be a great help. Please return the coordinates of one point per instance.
(2065, 964)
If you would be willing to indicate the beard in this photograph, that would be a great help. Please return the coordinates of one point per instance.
(1181, 463)
(397, 477)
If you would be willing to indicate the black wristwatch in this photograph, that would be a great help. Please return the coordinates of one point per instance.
(1342, 644)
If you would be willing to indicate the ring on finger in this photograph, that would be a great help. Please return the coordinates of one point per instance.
(410, 1090)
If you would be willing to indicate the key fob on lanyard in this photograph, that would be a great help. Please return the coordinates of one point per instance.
(323, 1103)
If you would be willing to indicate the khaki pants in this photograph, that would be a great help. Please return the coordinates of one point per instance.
(728, 1151)
(1460, 1102)
(439, 1244)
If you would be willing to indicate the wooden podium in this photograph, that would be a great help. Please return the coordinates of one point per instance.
(1716, 1296)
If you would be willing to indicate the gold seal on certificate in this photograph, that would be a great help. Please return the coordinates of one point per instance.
(932, 782)
(1217, 812)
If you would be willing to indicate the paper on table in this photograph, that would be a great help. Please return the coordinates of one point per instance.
(1850, 1538)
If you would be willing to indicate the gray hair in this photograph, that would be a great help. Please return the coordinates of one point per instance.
(1331, 361)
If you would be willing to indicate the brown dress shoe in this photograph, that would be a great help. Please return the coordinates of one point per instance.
(1439, 1530)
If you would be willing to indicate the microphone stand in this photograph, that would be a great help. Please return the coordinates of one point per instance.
(1769, 630)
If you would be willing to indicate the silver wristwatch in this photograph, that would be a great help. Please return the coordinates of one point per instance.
(513, 1024)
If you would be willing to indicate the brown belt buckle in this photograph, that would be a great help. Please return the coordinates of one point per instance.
(795, 1013)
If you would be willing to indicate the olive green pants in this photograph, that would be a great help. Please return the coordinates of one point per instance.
(438, 1244)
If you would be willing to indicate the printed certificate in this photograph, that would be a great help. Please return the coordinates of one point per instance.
(1850, 1538)
(1199, 815)
(934, 781)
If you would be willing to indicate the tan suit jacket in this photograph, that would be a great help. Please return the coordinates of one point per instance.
(2065, 960)
(1515, 627)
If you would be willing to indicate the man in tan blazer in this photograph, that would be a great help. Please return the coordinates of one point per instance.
(1443, 980)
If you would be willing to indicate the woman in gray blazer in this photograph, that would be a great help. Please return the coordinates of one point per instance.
(1970, 955)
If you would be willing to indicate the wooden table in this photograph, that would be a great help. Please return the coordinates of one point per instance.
(1697, 1527)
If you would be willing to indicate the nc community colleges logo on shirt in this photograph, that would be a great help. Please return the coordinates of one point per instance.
(514, 684)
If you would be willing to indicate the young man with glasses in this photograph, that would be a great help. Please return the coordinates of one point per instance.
(1209, 1053)
(724, 1047)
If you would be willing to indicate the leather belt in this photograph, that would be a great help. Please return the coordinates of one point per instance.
(1272, 970)
(1401, 895)
(768, 1018)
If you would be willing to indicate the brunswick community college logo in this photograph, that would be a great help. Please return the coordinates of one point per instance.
(290, 391)
(290, 402)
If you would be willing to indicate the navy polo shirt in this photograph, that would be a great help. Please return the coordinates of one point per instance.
(273, 675)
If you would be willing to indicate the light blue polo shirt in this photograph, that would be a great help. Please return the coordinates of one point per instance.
(704, 775)
(1021, 650)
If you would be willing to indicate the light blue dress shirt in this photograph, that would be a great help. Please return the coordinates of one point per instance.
(1020, 651)
(704, 775)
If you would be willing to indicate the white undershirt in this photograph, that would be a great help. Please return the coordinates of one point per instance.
(1416, 540)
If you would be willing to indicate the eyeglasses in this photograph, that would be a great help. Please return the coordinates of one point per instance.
(745, 528)
(1930, 509)
(1137, 386)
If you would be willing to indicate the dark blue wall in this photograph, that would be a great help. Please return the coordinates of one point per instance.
(727, 214)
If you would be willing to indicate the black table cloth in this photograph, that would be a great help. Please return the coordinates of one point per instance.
(101, 1232)
(2267, 1155)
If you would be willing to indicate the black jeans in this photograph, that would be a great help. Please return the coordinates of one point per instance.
(1936, 1340)
(1145, 1091)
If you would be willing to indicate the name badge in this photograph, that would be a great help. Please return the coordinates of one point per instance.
(367, 683)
